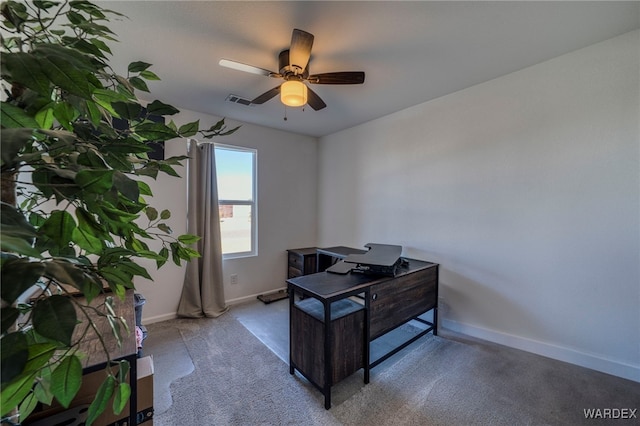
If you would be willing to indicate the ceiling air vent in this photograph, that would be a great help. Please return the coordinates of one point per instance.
(238, 100)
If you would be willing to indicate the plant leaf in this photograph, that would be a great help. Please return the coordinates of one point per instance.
(128, 187)
(67, 76)
(65, 114)
(14, 223)
(27, 406)
(164, 253)
(133, 268)
(188, 239)
(15, 392)
(14, 117)
(122, 394)
(118, 280)
(64, 272)
(189, 129)
(14, 356)
(45, 117)
(41, 390)
(88, 223)
(101, 400)
(123, 370)
(17, 276)
(13, 244)
(139, 84)
(66, 54)
(39, 355)
(160, 108)
(95, 181)
(155, 131)
(25, 69)
(66, 380)
(145, 189)
(138, 66)
(127, 110)
(152, 213)
(59, 227)
(55, 318)
(12, 141)
(86, 241)
(9, 316)
(148, 75)
(165, 228)
(104, 98)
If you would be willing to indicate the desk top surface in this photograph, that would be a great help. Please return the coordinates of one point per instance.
(327, 286)
(340, 252)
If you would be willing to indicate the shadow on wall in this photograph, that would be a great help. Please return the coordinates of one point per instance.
(470, 297)
(472, 303)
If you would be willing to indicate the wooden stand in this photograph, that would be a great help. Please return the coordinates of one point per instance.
(94, 359)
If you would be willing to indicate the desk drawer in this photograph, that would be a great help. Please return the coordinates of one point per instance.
(301, 262)
(295, 260)
(294, 272)
(397, 300)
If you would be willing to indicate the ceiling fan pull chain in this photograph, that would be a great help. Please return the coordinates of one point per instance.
(285, 112)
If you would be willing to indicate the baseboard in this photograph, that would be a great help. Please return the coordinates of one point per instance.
(583, 359)
(252, 297)
(237, 301)
(159, 318)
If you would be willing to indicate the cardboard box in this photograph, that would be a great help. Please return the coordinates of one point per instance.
(55, 414)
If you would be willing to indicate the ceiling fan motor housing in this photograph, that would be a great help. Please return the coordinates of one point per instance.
(286, 70)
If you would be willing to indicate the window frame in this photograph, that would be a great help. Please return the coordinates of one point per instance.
(253, 202)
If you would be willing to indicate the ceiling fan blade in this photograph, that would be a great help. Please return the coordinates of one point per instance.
(247, 68)
(343, 77)
(266, 96)
(314, 100)
(300, 51)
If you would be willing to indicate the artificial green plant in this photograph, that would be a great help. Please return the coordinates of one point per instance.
(75, 213)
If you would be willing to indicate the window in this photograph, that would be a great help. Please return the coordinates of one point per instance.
(236, 175)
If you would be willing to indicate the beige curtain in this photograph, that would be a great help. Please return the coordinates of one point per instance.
(203, 291)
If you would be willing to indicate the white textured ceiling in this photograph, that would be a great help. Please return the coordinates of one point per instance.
(411, 52)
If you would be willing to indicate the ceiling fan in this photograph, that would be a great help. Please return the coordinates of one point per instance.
(294, 69)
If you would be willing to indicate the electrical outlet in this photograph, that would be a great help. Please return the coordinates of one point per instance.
(234, 279)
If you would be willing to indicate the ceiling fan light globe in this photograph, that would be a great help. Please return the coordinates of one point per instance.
(293, 93)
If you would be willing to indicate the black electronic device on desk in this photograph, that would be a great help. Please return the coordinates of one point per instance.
(381, 259)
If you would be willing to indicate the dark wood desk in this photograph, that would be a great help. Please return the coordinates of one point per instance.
(387, 303)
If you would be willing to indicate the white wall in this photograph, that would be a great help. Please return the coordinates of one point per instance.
(287, 214)
(525, 189)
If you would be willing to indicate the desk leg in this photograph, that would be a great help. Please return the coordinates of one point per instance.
(435, 308)
(328, 367)
(291, 301)
(435, 321)
(365, 341)
(133, 383)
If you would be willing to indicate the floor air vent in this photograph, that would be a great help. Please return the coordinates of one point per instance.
(238, 100)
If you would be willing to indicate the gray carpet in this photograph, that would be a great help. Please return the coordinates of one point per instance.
(237, 380)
